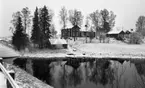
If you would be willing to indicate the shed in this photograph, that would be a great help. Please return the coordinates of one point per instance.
(114, 33)
(58, 43)
(118, 34)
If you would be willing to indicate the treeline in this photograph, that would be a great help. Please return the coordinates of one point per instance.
(138, 35)
(99, 21)
(42, 28)
(38, 29)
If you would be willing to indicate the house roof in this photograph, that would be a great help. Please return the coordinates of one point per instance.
(128, 32)
(76, 27)
(119, 31)
(115, 32)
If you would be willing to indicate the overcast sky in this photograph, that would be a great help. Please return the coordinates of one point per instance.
(127, 11)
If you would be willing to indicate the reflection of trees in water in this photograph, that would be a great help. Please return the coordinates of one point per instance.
(119, 70)
(75, 77)
(72, 78)
(140, 68)
(63, 77)
(20, 62)
(140, 78)
(88, 68)
(102, 72)
(41, 70)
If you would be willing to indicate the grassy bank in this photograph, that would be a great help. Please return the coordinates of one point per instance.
(25, 80)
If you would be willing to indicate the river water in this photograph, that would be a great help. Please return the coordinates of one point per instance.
(96, 73)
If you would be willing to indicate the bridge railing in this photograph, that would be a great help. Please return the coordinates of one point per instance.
(8, 76)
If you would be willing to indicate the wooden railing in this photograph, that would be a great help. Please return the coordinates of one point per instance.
(8, 77)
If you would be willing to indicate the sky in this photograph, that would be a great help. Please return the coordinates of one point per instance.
(127, 11)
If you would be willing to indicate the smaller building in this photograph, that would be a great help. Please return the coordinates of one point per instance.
(118, 34)
(115, 33)
(58, 43)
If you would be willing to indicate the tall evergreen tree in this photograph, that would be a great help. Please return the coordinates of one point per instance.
(45, 23)
(36, 33)
(20, 38)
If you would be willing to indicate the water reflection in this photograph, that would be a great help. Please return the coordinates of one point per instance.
(140, 79)
(97, 73)
(102, 72)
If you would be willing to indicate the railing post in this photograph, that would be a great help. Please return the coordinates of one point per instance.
(1, 62)
(12, 74)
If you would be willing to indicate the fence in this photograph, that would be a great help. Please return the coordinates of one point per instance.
(10, 81)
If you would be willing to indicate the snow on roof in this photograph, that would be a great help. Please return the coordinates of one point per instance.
(57, 41)
(114, 32)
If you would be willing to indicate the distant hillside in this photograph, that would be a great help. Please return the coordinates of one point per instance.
(6, 41)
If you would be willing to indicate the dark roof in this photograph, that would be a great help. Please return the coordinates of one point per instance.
(122, 32)
(76, 27)
(127, 32)
(114, 32)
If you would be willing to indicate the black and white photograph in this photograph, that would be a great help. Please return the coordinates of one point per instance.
(72, 43)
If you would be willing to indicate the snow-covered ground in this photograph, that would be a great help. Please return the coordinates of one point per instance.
(112, 49)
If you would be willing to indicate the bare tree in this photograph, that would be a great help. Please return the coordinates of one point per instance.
(26, 18)
(53, 31)
(108, 20)
(75, 17)
(105, 20)
(112, 17)
(15, 18)
(63, 17)
(140, 25)
(96, 20)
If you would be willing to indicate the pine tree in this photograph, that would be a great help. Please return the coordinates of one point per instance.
(20, 38)
(45, 19)
(36, 33)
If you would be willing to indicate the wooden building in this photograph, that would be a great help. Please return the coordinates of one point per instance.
(75, 32)
(118, 34)
(70, 32)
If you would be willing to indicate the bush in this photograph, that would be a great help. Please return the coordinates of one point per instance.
(135, 38)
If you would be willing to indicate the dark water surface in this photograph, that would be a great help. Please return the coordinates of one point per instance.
(87, 74)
